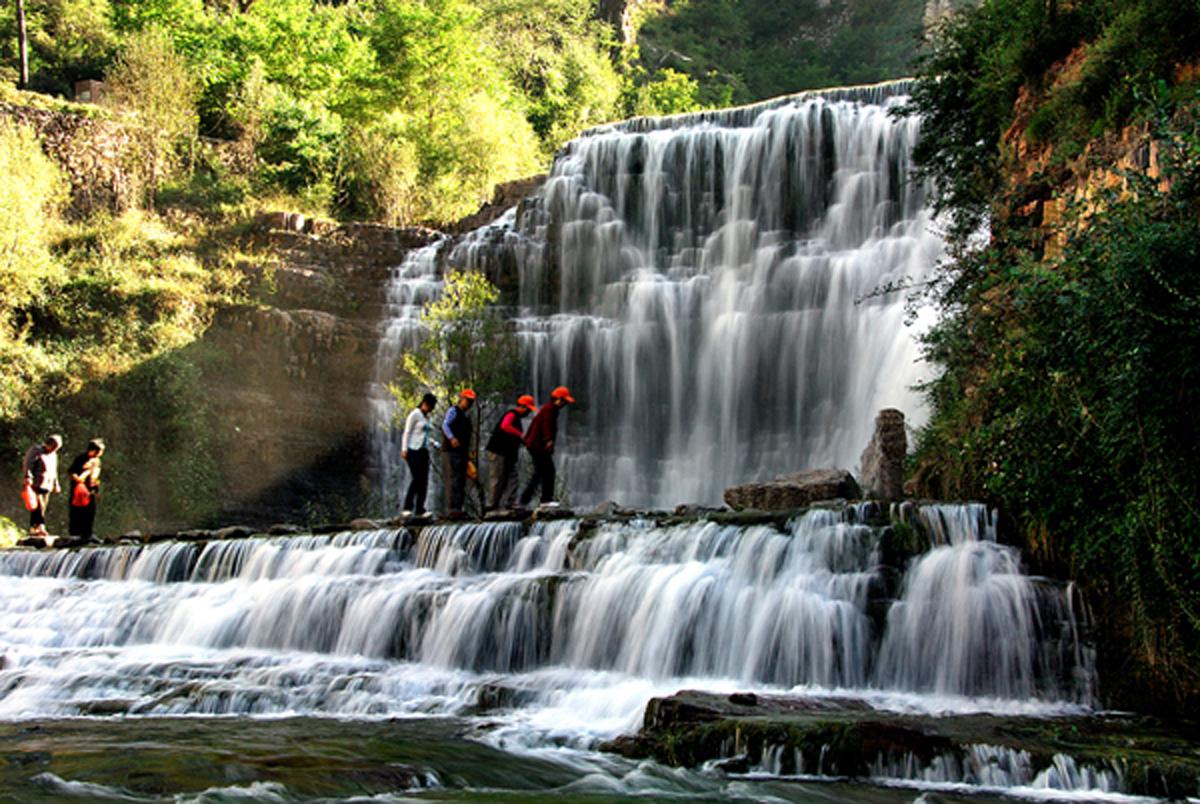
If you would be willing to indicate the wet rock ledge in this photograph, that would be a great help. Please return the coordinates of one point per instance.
(846, 737)
(874, 514)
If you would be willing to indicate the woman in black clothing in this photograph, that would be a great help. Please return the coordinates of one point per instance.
(85, 486)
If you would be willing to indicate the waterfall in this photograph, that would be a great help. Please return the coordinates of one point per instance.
(410, 285)
(399, 621)
(970, 621)
(705, 284)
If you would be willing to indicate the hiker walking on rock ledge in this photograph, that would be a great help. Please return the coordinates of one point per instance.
(415, 451)
(504, 453)
(456, 451)
(543, 430)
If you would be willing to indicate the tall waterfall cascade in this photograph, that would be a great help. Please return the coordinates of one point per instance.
(714, 289)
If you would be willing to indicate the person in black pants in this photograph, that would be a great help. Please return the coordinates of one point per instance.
(414, 450)
(456, 427)
(540, 443)
(504, 451)
(85, 487)
(41, 475)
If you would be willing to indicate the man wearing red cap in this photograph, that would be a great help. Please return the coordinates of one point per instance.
(540, 442)
(504, 451)
(456, 427)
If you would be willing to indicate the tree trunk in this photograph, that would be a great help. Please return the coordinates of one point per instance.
(22, 45)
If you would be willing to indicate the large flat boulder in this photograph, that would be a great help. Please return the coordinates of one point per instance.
(793, 491)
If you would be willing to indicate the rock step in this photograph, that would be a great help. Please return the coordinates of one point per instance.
(847, 737)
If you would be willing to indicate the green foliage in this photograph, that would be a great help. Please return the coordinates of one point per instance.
(978, 61)
(557, 56)
(30, 195)
(151, 81)
(1070, 381)
(475, 92)
(10, 534)
(670, 92)
(467, 344)
(739, 51)
(380, 172)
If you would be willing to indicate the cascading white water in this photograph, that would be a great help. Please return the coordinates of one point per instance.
(400, 621)
(970, 621)
(411, 284)
(704, 284)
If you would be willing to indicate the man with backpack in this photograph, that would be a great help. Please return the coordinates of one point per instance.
(504, 452)
(543, 430)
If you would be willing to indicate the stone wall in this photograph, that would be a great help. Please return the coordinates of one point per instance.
(96, 155)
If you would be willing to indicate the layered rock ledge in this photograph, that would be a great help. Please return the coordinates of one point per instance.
(849, 738)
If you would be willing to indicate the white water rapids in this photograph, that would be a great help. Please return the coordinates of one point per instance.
(560, 635)
(706, 285)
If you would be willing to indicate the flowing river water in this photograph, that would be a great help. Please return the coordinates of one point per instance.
(493, 660)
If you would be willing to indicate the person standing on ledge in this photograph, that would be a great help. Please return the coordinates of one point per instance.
(85, 486)
(540, 442)
(456, 451)
(41, 474)
(504, 452)
(414, 450)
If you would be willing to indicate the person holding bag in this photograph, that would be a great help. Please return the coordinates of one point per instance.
(41, 477)
(85, 487)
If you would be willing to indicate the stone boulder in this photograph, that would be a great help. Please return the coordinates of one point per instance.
(793, 491)
(883, 459)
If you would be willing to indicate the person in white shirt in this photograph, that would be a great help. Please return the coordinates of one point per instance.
(414, 450)
(41, 473)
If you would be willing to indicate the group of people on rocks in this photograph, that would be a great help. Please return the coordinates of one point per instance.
(40, 470)
(503, 450)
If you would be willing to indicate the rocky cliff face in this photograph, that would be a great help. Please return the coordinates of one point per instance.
(95, 154)
(1043, 185)
(289, 390)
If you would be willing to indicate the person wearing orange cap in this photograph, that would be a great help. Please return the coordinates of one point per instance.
(540, 443)
(504, 451)
(456, 427)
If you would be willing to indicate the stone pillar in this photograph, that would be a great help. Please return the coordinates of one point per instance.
(883, 459)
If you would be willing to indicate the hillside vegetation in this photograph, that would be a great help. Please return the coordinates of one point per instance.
(1071, 337)
(397, 111)
(739, 51)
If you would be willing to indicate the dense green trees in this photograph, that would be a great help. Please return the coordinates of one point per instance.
(413, 109)
(738, 51)
(324, 98)
(1071, 343)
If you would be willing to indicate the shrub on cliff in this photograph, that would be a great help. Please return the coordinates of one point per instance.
(30, 195)
(153, 83)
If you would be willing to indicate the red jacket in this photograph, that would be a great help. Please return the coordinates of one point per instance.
(543, 429)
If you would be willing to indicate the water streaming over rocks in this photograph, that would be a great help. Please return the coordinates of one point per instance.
(749, 604)
(555, 635)
(705, 284)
